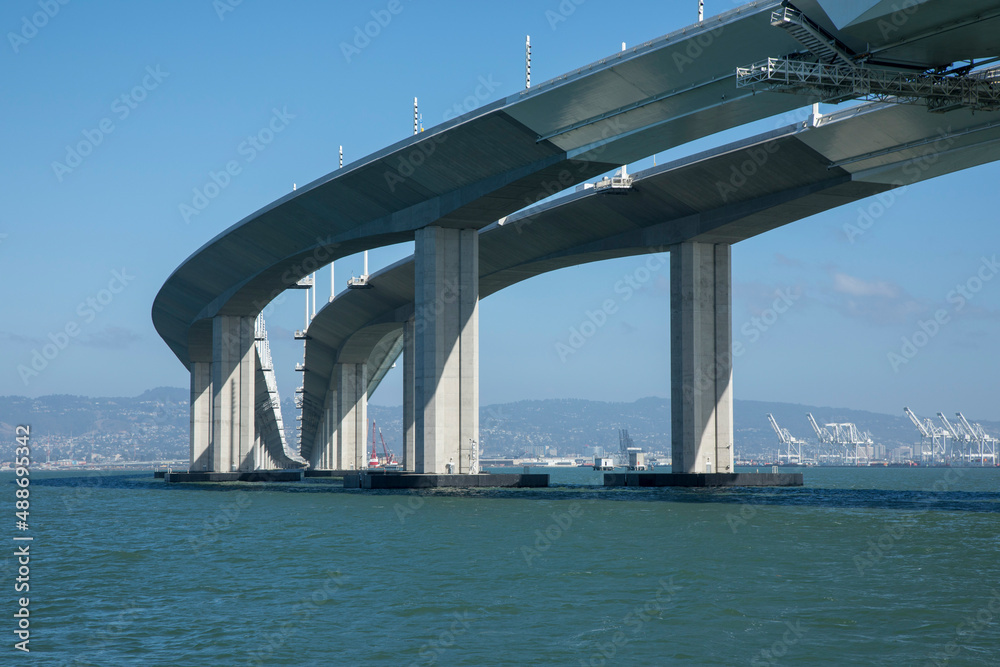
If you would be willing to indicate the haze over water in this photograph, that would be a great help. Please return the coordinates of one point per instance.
(860, 567)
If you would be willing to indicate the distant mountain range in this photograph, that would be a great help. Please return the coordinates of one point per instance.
(156, 424)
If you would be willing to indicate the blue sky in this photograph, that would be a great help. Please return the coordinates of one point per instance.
(165, 93)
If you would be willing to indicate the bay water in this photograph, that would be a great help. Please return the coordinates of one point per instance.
(861, 566)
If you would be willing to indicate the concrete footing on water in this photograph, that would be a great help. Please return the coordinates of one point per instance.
(329, 473)
(254, 476)
(412, 480)
(647, 479)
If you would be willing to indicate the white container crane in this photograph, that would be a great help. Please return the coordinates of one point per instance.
(793, 446)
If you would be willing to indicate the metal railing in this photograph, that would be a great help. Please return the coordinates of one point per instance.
(272, 404)
(837, 82)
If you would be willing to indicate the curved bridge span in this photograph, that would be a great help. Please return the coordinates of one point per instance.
(445, 189)
(704, 199)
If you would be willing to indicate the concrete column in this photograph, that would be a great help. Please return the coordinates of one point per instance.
(259, 459)
(352, 412)
(232, 392)
(701, 358)
(201, 416)
(446, 347)
(327, 443)
(318, 457)
(409, 424)
(319, 440)
(325, 451)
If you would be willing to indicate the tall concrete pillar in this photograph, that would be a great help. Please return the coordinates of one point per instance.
(201, 416)
(319, 440)
(446, 348)
(318, 459)
(233, 375)
(325, 449)
(701, 358)
(352, 413)
(409, 423)
(329, 442)
(259, 458)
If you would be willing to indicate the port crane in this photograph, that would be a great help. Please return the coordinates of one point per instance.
(845, 434)
(930, 434)
(793, 446)
(824, 436)
(986, 444)
(957, 434)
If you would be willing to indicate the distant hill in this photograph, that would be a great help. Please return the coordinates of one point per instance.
(152, 425)
(156, 423)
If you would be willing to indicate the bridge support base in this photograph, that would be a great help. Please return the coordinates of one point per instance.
(352, 416)
(398, 480)
(246, 476)
(701, 358)
(446, 349)
(648, 479)
(324, 451)
(409, 418)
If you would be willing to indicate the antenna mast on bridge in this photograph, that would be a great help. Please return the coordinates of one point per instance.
(527, 62)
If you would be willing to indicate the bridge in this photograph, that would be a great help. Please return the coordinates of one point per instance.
(467, 194)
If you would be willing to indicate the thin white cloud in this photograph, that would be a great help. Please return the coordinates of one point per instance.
(854, 286)
(110, 338)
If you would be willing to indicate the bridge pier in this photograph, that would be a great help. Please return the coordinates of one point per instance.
(409, 422)
(446, 348)
(701, 358)
(233, 375)
(324, 451)
(328, 450)
(351, 409)
(201, 415)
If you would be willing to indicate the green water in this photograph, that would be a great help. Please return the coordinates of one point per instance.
(859, 567)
